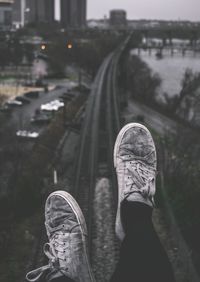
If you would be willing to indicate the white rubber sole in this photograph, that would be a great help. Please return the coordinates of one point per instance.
(121, 135)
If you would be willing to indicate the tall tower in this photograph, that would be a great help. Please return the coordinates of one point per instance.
(65, 12)
(73, 13)
(18, 12)
(49, 10)
(82, 12)
(40, 11)
(16, 15)
(31, 11)
(6, 13)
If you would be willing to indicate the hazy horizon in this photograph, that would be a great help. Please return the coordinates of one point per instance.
(147, 9)
(144, 9)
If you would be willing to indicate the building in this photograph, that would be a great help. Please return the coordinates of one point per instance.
(49, 11)
(98, 24)
(18, 13)
(39, 11)
(73, 13)
(6, 13)
(82, 11)
(32, 11)
(118, 18)
(65, 15)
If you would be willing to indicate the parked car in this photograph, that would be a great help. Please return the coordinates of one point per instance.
(32, 94)
(23, 99)
(67, 96)
(54, 105)
(27, 134)
(41, 117)
(13, 103)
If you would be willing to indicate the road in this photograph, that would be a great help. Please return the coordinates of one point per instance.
(20, 118)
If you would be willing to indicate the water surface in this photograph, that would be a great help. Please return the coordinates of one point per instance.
(170, 68)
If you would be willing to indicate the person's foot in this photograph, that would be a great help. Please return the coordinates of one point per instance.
(135, 162)
(67, 247)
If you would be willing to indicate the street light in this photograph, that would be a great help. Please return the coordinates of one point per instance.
(69, 46)
(43, 47)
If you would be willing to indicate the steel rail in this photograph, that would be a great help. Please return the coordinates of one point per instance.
(87, 159)
(103, 90)
(90, 123)
(86, 128)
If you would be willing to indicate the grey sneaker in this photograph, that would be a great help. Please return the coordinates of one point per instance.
(135, 163)
(67, 247)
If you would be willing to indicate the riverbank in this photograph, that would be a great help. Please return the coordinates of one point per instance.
(181, 142)
(170, 68)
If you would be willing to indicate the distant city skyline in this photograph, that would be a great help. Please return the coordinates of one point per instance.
(143, 9)
(147, 9)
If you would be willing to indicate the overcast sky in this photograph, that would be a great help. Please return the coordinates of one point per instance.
(145, 9)
(148, 9)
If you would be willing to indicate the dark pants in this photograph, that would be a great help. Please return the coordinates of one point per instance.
(142, 257)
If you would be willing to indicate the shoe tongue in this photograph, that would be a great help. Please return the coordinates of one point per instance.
(137, 150)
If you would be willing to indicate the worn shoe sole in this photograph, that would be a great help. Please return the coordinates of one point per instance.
(81, 220)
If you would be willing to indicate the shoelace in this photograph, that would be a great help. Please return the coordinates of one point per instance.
(55, 251)
(140, 179)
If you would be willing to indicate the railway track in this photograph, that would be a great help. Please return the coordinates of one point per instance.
(100, 128)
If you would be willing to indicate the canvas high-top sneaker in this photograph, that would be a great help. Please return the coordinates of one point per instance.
(67, 247)
(135, 162)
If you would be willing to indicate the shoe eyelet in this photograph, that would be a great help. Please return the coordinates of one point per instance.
(63, 225)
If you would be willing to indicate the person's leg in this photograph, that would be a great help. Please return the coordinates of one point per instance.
(67, 247)
(142, 257)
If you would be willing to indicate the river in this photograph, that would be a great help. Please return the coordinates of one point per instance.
(170, 68)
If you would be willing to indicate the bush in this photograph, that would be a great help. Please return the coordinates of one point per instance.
(142, 83)
(182, 174)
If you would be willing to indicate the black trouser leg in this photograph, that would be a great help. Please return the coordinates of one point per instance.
(142, 257)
